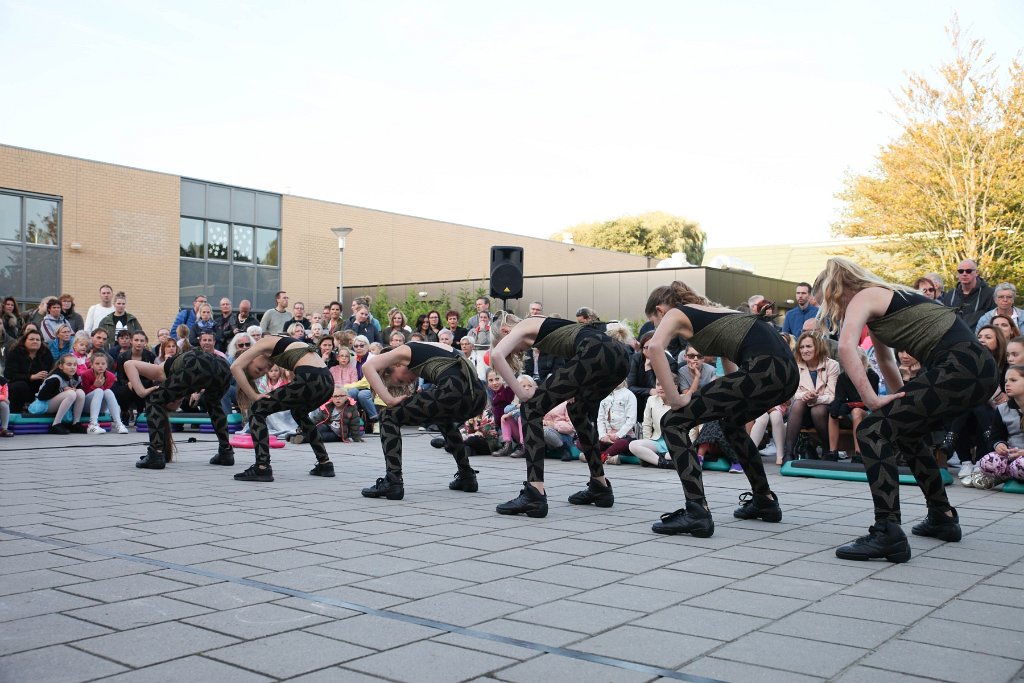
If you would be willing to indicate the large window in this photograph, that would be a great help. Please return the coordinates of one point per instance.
(230, 244)
(29, 245)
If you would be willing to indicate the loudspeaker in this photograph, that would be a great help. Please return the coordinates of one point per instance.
(506, 272)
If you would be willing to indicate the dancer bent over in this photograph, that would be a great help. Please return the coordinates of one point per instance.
(311, 387)
(762, 373)
(456, 394)
(957, 374)
(595, 365)
(178, 377)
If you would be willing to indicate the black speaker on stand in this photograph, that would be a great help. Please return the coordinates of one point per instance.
(506, 273)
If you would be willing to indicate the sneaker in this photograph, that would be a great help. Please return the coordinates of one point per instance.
(857, 459)
(770, 449)
(6, 433)
(613, 460)
(530, 501)
(297, 438)
(735, 468)
(830, 456)
(966, 470)
(566, 455)
(519, 452)
(438, 442)
(755, 506)
(96, 429)
(954, 461)
(389, 486)
(256, 473)
(58, 429)
(884, 539)
(693, 520)
(939, 525)
(465, 480)
(120, 428)
(323, 469)
(982, 480)
(152, 460)
(223, 457)
(597, 493)
(505, 450)
(78, 428)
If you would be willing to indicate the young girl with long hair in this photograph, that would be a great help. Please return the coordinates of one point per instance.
(595, 365)
(97, 383)
(958, 373)
(1007, 445)
(60, 392)
(760, 373)
(455, 395)
(311, 387)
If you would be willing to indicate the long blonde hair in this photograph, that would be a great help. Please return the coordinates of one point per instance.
(673, 295)
(499, 321)
(840, 276)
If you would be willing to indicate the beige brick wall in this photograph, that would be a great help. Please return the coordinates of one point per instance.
(125, 219)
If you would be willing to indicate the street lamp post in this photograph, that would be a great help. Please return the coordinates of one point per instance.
(341, 234)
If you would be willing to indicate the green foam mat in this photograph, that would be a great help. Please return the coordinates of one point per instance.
(29, 419)
(1013, 486)
(195, 419)
(846, 471)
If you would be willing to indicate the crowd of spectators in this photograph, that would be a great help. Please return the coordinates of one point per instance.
(42, 344)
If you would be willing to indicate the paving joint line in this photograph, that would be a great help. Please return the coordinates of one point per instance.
(372, 611)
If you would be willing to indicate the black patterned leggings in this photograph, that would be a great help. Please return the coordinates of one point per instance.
(600, 365)
(309, 389)
(193, 371)
(963, 377)
(734, 399)
(447, 403)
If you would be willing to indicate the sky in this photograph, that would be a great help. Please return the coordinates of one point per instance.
(527, 117)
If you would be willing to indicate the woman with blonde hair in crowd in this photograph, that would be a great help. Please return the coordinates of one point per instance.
(814, 395)
(594, 365)
(760, 373)
(958, 374)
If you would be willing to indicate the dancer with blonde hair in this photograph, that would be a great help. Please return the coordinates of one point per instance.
(958, 373)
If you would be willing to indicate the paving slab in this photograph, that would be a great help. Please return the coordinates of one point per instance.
(303, 579)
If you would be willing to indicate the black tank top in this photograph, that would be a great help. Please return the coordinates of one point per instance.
(760, 340)
(423, 364)
(564, 347)
(933, 340)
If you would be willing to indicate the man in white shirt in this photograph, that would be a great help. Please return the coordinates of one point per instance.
(97, 312)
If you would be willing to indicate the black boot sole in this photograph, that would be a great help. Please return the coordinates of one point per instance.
(947, 532)
(696, 533)
(535, 513)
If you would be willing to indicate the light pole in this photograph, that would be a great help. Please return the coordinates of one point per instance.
(341, 234)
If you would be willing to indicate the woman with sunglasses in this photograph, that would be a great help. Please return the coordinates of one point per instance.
(957, 374)
(761, 374)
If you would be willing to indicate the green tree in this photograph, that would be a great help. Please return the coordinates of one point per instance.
(951, 186)
(655, 234)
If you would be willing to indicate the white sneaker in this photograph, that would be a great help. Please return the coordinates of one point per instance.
(966, 470)
(770, 449)
(96, 429)
(121, 429)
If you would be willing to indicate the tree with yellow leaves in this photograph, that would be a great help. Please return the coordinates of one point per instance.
(951, 186)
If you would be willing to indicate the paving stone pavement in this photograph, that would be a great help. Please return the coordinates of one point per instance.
(112, 573)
